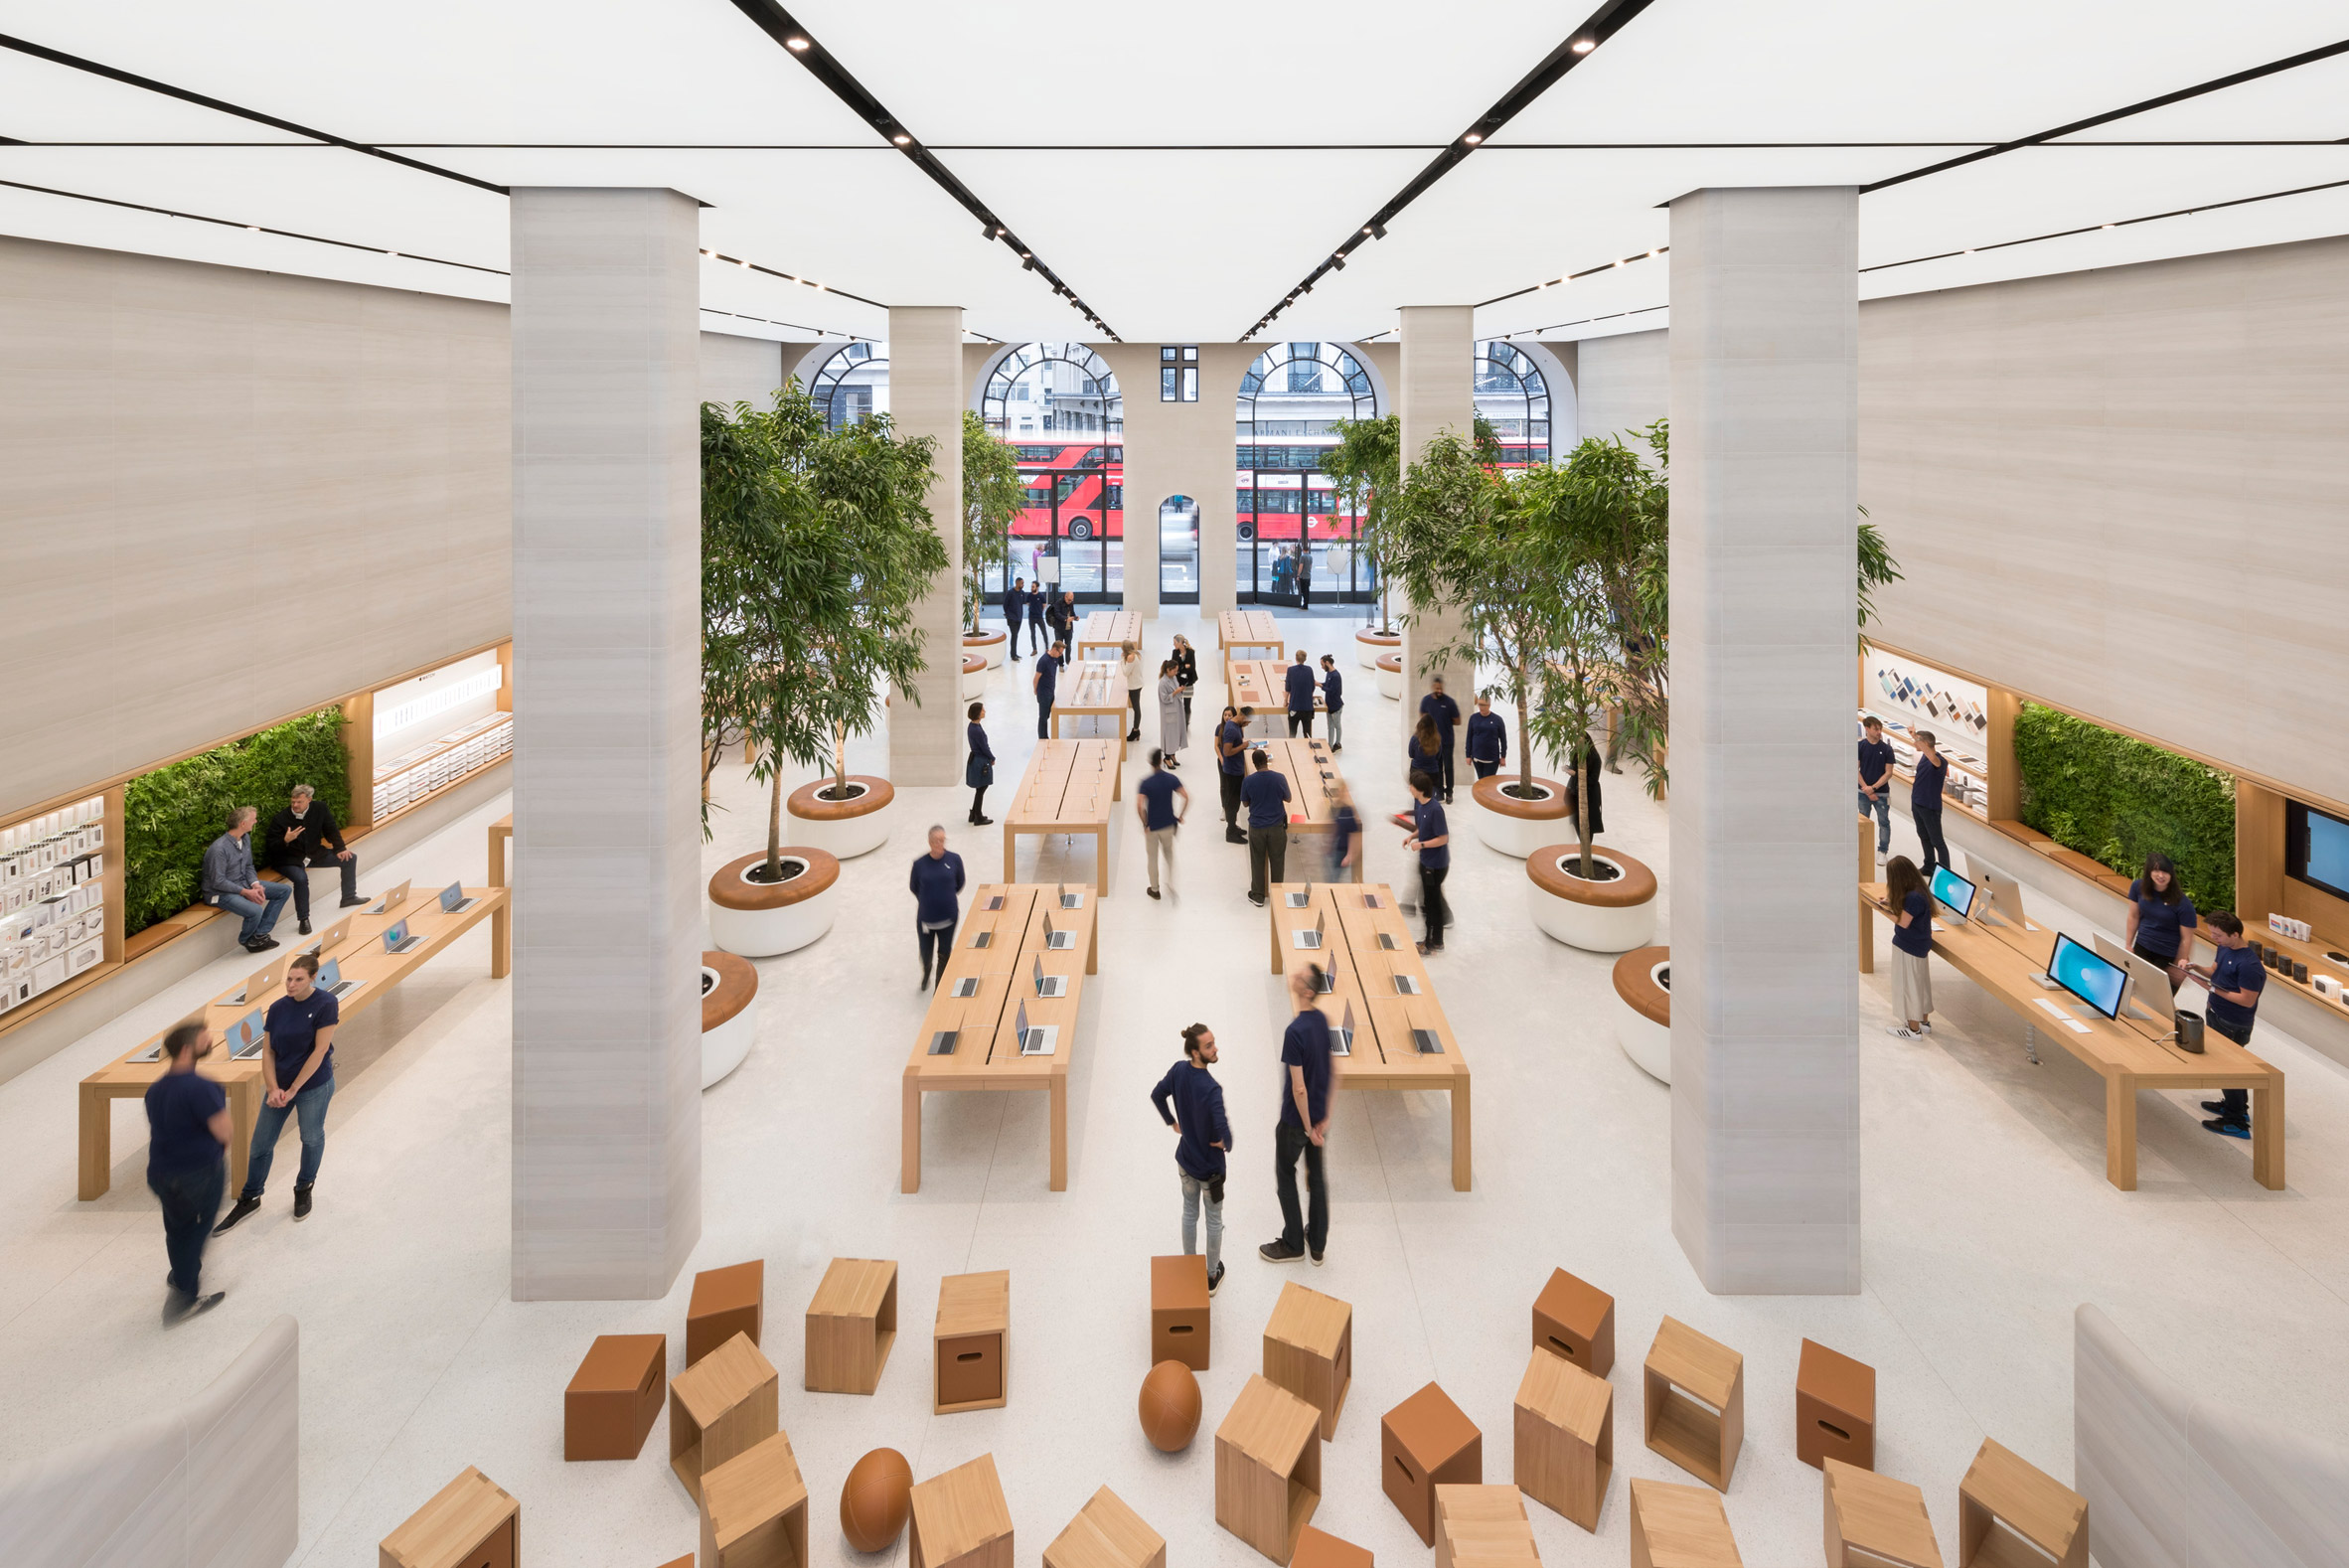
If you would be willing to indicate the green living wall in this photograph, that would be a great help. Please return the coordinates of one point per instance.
(2118, 800)
(171, 813)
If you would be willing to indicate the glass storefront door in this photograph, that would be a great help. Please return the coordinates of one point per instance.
(1178, 551)
(1295, 541)
(1062, 536)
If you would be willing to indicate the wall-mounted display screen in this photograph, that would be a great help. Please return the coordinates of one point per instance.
(2316, 848)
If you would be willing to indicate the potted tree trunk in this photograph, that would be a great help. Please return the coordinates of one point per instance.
(992, 495)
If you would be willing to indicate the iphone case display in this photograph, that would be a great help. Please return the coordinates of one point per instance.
(1908, 697)
(52, 899)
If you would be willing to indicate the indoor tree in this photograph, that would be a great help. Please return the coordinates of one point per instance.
(993, 496)
(1364, 470)
(824, 546)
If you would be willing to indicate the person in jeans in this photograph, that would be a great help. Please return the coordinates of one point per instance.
(1131, 657)
(230, 880)
(1875, 781)
(1911, 909)
(1925, 804)
(979, 770)
(1304, 1128)
(1232, 746)
(1299, 678)
(298, 1066)
(1487, 742)
(1203, 1139)
(936, 880)
(1446, 713)
(1334, 701)
(2161, 919)
(1046, 682)
(2235, 978)
(1014, 608)
(302, 836)
(1154, 804)
(187, 1164)
(1267, 796)
(1036, 616)
(1431, 836)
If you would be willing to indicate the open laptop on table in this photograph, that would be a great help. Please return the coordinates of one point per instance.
(392, 900)
(1034, 1040)
(453, 899)
(262, 985)
(397, 938)
(1049, 984)
(1058, 941)
(1342, 1039)
(331, 981)
(1299, 901)
(243, 1038)
(336, 935)
(1311, 941)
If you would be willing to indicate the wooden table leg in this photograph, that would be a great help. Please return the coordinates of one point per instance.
(1010, 854)
(2268, 1133)
(244, 1104)
(1101, 856)
(910, 1156)
(1462, 1144)
(502, 940)
(1272, 920)
(97, 1143)
(2120, 1130)
(1059, 1094)
(1867, 938)
(497, 862)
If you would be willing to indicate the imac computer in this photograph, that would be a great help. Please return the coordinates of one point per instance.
(2004, 893)
(2094, 980)
(1953, 891)
(2148, 989)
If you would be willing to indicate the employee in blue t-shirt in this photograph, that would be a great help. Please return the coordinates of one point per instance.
(2235, 978)
(1431, 836)
(1346, 836)
(1266, 795)
(1924, 803)
(298, 1066)
(1154, 803)
(1334, 701)
(1202, 1138)
(935, 882)
(1014, 611)
(1045, 684)
(1299, 679)
(2161, 919)
(1231, 765)
(1446, 713)
(1875, 781)
(1911, 909)
(1488, 739)
(187, 1163)
(1304, 1128)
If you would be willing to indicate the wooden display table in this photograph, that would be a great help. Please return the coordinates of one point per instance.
(1067, 788)
(1248, 632)
(361, 959)
(1110, 629)
(1366, 949)
(997, 949)
(2128, 1056)
(1093, 689)
(1263, 685)
(1313, 782)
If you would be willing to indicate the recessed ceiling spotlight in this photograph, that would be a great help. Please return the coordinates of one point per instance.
(1583, 46)
(2108, 226)
(745, 261)
(255, 229)
(1656, 253)
(796, 44)
(901, 138)
(1618, 261)
(1969, 250)
(706, 252)
(1472, 139)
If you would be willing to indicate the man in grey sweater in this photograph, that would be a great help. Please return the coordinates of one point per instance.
(230, 881)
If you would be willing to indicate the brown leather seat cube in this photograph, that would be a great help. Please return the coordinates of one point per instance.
(725, 1302)
(1834, 1408)
(616, 1396)
(1424, 1443)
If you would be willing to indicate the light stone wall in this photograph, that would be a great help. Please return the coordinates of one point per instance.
(926, 398)
(1434, 391)
(743, 370)
(1621, 383)
(1179, 449)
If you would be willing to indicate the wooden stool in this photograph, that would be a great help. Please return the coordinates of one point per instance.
(1576, 1321)
(1268, 1468)
(1685, 1372)
(1834, 1408)
(971, 1343)
(1179, 1327)
(1425, 1443)
(1676, 1527)
(754, 1509)
(725, 1302)
(1875, 1521)
(1565, 1449)
(1309, 1349)
(718, 1408)
(851, 1324)
(470, 1523)
(1106, 1534)
(686, 1561)
(614, 1397)
(2003, 1493)
(1318, 1549)
(960, 1520)
(1484, 1526)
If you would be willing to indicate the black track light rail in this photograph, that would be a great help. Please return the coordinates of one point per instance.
(1611, 17)
(779, 24)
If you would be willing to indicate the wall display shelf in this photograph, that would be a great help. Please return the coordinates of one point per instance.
(448, 724)
(1971, 722)
(61, 902)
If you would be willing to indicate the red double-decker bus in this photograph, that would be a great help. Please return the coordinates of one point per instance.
(1075, 489)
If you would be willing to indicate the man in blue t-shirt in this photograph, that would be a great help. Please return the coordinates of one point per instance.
(1924, 803)
(187, 1163)
(1202, 1138)
(1304, 1128)
(1299, 679)
(1446, 713)
(1431, 836)
(1266, 794)
(1334, 701)
(1875, 781)
(298, 1066)
(1014, 606)
(2235, 978)
(1231, 763)
(1046, 682)
(1154, 804)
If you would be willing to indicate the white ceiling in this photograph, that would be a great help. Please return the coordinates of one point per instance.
(1258, 137)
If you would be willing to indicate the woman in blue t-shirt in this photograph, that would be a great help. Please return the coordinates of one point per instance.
(2161, 919)
(1911, 907)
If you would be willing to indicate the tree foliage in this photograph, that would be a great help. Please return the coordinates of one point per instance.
(1364, 468)
(993, 496)
(816, 547)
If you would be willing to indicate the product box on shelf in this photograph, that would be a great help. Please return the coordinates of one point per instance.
(2285, 925)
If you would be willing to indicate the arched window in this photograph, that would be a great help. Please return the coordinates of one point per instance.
(852, 384)
(1514, 399)
(1060, 409)
(1295, 546)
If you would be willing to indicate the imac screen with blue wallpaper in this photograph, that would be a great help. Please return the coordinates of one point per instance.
(2090, 978)
(2316, 848)
(1954, 890)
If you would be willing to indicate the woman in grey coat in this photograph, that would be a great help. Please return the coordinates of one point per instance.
(1174, 725)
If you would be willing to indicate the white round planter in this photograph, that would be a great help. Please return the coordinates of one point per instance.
(748, 918)
(1511, 832)
(725, 1043)
(1647, 1042)
(1595, 928)
(846, 834)
(991, 644)
(1368, 647)
(1390, 678)
(974, 679)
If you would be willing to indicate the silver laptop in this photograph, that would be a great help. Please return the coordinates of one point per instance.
(1049, 984)
(263, 984)
(2148, 994)
(1070, 901)
(154, 1051)
(983, 939)
(1309, 940)
(1426, 1042)
(1406, 985)
(397, 938)
(392, 900)
(1370, 900)
(331, 981)
(1342, 1039)
(1034, 1040)
(1386, 940)
(453, 899)
(1298, 901)
(968, 986)
(336, 935)
(1057, 940)
(942, 1042)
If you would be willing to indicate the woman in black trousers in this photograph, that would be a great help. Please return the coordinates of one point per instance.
(979, 771)
(1186, 673)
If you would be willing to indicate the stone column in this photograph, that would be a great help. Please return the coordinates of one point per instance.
(1766, 1135)
(1434, 391)
(607, 843)
(927, 397)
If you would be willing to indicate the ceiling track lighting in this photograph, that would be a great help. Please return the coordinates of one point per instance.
(798, 46)
(1583, 46)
